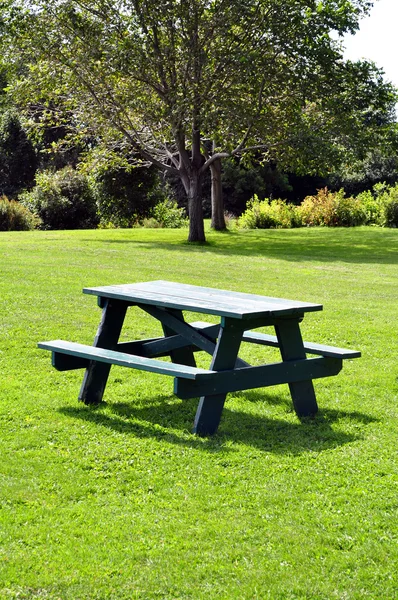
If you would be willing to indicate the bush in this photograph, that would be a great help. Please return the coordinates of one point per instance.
(348, 212)
(269, 214)
(391, 207)
(15, 217)
(124, 196)
(62, 200)
(332, 209)
(317, 210)
(167, 214)
(372, 208)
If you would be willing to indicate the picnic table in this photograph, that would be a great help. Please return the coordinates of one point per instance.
(238, 315)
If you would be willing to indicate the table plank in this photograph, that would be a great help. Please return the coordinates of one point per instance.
(203, 300)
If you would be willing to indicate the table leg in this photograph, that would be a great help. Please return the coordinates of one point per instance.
(292, 348)
(182, 356)
(209, 410)
(108, 333)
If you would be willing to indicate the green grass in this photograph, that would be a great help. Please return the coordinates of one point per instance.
(123, 502)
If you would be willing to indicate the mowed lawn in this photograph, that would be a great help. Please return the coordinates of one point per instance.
(122, 502)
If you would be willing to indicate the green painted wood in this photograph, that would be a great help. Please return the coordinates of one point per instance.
(97, 373)
(65, 362)
(149, 348)
(111, 357)
(183, 355)
(215, 294)
(310, 347)
(290, 372)
(264, 339)
(211, 405)
(195, 337)
(292, 348)
(162, 346)
(172, 323)
(203, 300)
(152, 348)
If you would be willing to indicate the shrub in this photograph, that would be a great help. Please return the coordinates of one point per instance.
(15, 217)
(317, 210)
(124, 196)
(167, 214)
(269, 214)
(391, 207)
(348, 212)
(62, 200)
(371, 206)
(332, 209)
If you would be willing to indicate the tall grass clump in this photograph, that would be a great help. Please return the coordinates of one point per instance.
(15, 217)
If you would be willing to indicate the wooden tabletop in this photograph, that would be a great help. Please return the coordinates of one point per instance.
(200, 299)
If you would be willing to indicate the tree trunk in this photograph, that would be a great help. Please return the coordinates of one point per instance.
(217, 202)
(191, 177)
(195, 210)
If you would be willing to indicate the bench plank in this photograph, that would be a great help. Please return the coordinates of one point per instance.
(310, 347)
(265, 339)
(93, 353)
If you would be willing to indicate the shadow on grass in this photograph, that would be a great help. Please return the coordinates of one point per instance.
(351, 245)
(170, 420)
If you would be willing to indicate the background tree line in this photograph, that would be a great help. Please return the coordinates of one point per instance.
(211, 102)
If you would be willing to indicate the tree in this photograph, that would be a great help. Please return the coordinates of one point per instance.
(18, 160)
(244, 74)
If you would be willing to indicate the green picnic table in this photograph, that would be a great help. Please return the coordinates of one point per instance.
(238, 314)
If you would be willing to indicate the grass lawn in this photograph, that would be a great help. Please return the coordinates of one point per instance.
(122, 502)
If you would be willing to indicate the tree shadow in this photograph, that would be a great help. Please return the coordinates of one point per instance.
(349, 245)
(168, 419)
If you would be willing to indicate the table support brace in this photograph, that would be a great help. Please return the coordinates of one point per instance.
(209, 410)
(292, 348)
(108, 333)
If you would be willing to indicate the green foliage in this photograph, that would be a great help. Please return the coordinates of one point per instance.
(15, 217)
(235, 73)
(167, 214)
(389, 199)
(361, 175)
(241, 181)
(373, 204)
(62, 200)
(124, 194)
(326, 208)
(18, 161)
(269, 214)
(391, 213)
(332, 209)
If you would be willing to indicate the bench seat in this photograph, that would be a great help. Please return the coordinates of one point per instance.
(70, 355)
(265, 339)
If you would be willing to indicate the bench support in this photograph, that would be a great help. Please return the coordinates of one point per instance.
(290, 372)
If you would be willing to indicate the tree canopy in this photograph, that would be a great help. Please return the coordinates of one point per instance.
(189, 82)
